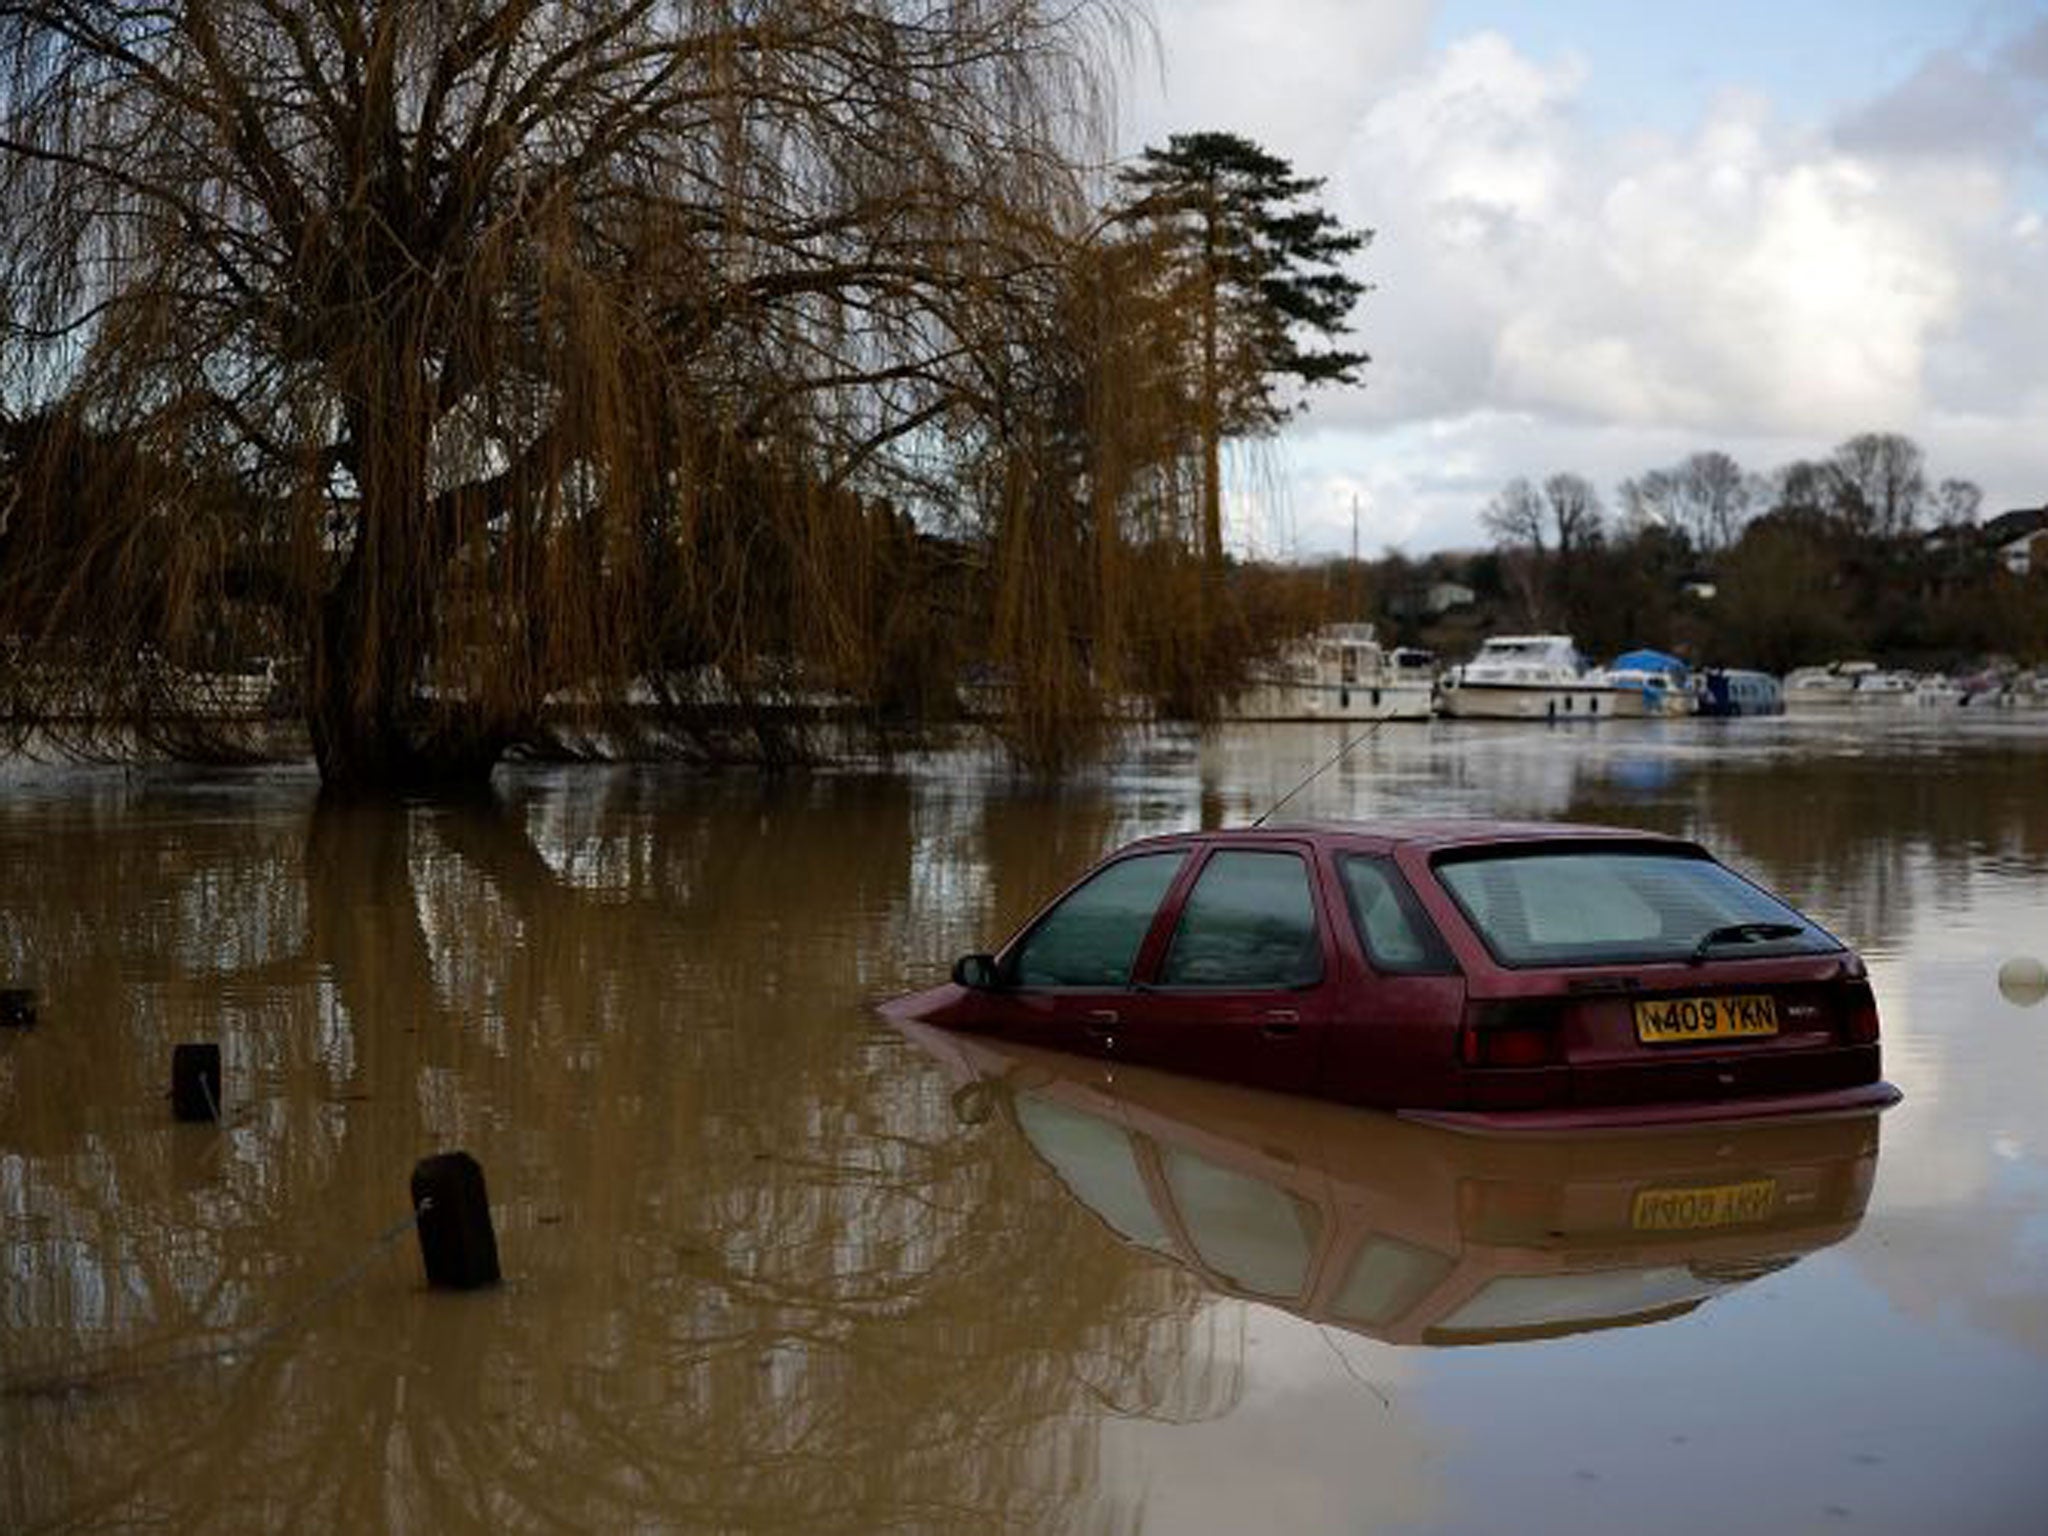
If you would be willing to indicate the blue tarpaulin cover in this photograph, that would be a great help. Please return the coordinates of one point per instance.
(1649, 661)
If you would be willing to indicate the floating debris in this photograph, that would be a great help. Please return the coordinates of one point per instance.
(2023, 980)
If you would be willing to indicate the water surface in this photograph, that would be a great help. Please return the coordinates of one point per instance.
(771, 1266)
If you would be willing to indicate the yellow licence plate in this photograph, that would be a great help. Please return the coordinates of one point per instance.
(1706, 1018)
(1711, 1205)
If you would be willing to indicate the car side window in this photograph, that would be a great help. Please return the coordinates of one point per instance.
(1091, 938)
(1097, 1161)
(1397, 934)
(1249, 922)
(1251, 1234)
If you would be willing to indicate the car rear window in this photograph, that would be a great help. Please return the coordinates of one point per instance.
(1512, 1303)
(1617, 906)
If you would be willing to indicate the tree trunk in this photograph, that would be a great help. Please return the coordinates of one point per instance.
(374, 732)
(1212, 405)
(375, 726)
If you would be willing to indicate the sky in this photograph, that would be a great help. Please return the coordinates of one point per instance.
(1608, 235)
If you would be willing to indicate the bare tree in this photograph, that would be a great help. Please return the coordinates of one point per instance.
(1541, 535)
(1515, 517)
(484, 349)
(1806, 486)
(1708, 498)
(1883, 483)
(1957, 503)
(1575, 515)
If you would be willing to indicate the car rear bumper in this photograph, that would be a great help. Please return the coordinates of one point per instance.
(1857, 1100)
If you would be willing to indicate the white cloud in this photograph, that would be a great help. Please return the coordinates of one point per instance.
(1553, 292)
(1290, 77)
(1323, 1437)
(1746, 278)
(1468, 120)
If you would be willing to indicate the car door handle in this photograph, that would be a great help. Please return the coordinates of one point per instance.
(1281, 1024)
(1101, 1022)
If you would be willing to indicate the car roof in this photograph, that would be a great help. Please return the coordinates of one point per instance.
(1431, 835)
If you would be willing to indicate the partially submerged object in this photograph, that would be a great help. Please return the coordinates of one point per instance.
(1487, 975)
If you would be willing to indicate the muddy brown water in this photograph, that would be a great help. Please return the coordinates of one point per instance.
(770, 1266)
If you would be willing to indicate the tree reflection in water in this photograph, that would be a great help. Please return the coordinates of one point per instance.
(756, 1276)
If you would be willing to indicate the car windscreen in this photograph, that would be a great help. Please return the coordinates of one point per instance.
(1605, 906)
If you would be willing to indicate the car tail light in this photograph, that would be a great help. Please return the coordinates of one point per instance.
(1511, 1035)
(1858, 1014)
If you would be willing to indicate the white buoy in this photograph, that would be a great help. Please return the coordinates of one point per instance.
(2023, 980)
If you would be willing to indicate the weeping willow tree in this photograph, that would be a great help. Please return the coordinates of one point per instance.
(1167, 330)
(476, 355)
(1073, 436)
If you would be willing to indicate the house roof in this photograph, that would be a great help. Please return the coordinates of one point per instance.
(2016, 524)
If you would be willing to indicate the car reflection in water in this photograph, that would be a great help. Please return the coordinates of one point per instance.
(1410, 1233)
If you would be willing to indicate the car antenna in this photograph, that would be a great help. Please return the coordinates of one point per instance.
(1337, 757)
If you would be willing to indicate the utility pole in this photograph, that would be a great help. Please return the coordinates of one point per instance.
(1355, 600)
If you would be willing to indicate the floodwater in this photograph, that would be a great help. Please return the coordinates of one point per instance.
(771, 1267)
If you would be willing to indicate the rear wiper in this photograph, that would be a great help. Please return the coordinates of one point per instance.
(1743, 933)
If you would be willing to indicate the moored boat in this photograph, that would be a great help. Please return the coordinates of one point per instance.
(2007, 690)
(1846, 685)
(1526, 677)
(1341, 672)
(1730, 691)
(1934, 691)
(1653, 683)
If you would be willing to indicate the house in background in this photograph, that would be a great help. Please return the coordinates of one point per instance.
(1431, 599)
(2020, 538)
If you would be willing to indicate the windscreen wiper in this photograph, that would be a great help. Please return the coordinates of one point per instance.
(1743, 933)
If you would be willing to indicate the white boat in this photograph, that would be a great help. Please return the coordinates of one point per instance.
(1846, 685)
(1652, 683)
(1527, 677)
(1341, 672)
(1934, 691)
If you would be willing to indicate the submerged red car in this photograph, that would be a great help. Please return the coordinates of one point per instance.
(1485, 974)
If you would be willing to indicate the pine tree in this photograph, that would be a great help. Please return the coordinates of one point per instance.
(1257, 266)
